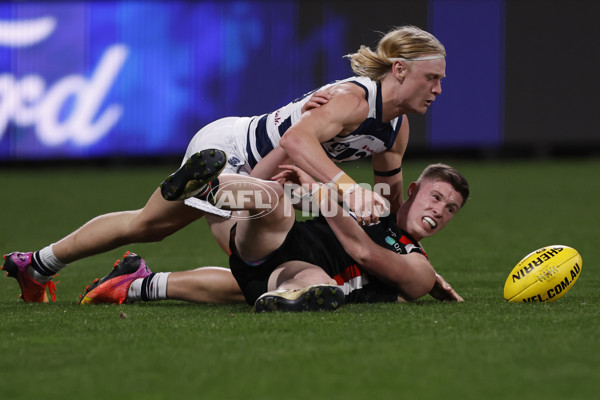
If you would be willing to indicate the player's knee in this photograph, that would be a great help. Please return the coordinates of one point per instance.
(315, 276)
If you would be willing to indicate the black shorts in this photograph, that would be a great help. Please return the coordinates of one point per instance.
(310, 241)
(314, 242)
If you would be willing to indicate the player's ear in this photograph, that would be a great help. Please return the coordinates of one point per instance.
(412, 188)
(399, 69)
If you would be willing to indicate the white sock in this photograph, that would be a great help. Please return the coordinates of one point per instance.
(49, 260)
(135, 290)
(45, 264)
(153, 287)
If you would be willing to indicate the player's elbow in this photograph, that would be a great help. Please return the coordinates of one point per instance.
(361, 253)
(417, 285)
(291, 142)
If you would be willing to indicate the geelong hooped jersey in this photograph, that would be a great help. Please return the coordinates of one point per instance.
(372, 136)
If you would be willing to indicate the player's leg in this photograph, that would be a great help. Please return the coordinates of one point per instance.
(298, 274)
(205, 285)
(155, 221)
(269, 215)
(220, 228)
(132, 280)
(300, 286)
(158, 219)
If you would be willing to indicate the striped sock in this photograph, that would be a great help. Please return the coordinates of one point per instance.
(45, 264)
(210, 191)
(153, 287)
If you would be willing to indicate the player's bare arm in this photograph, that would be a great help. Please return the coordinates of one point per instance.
(387, 167)
(268, 166)
(410, 274)
(344, 112)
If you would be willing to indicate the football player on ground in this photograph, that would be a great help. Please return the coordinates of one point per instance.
(282, 264)
(365, 115)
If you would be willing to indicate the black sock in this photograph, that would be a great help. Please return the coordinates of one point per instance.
(146, 286)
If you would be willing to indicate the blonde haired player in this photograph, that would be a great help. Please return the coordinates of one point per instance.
(364, 116)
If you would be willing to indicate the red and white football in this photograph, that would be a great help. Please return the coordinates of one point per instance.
(544, 275)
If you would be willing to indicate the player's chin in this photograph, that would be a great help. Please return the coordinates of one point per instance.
(426, 231)
(421, 110)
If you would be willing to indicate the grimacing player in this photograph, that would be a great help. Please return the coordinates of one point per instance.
(280, 263)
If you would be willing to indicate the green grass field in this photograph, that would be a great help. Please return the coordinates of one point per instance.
(484, 348)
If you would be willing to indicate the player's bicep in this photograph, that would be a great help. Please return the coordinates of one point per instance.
(392, 159)
(387, 168)
(344, 112)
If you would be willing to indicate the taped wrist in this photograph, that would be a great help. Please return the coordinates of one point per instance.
(345, 185)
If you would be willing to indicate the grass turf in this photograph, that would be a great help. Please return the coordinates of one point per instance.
(483, 348)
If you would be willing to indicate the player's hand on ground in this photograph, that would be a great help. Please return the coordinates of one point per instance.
(366, 205)
(317, 99)
(443, 291)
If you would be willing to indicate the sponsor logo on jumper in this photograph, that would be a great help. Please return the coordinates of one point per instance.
(368, 149)
(398, 248)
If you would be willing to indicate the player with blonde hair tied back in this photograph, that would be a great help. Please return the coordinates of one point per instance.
(407, 43)
(358, 117)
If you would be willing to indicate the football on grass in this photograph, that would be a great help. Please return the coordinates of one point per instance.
(544, 275)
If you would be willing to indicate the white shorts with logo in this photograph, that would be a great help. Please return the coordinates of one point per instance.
(227, 134)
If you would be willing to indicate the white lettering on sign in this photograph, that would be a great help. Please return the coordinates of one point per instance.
(29, 101)
(26, 32)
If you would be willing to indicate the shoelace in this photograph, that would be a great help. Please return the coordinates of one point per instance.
(52, 290)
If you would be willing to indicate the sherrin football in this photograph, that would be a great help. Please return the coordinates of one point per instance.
(544, 275)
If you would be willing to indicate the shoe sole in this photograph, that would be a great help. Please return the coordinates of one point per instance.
(318, 298)
(200, 169)
(9, 266)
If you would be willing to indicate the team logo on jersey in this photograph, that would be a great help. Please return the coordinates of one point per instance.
(337, 147)
(391, 233)
(234, 161)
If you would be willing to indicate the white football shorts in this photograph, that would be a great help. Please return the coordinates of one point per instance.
(227, 134)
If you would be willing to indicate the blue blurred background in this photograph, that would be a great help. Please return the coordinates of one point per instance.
(101, 79)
